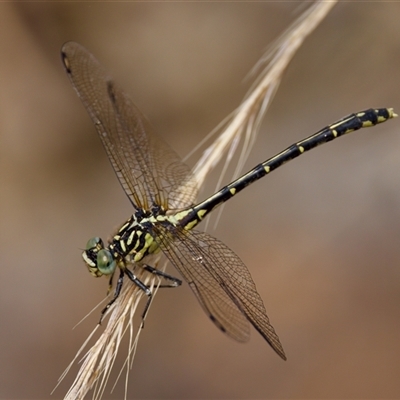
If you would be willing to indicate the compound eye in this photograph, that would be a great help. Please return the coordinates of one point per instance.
(94, 243)
(105, 262)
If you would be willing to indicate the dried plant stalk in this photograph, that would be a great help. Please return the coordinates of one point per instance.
(244, 121)
(99, 359)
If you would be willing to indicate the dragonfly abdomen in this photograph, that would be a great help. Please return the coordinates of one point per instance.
(346, 125)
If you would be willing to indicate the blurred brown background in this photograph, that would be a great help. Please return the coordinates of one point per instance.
(320, 236)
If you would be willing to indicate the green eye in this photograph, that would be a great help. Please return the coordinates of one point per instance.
(94, 243)
(105, 262)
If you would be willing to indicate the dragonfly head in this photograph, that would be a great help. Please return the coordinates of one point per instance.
(98, 259)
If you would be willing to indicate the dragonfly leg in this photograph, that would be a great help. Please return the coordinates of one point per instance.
(116, 293)
(118, 289)
(138, 282)
(110, 283)
(175, 282)
(145, 289)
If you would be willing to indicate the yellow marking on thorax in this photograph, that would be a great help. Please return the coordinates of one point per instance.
(301, 149)
(123, 227)
(154, 248)
(139, 234)
(150, 247)
(130, 238)
(122, 244)
(232, 192)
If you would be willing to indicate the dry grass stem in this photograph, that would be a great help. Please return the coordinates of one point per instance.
(98, 361)
(244, 121)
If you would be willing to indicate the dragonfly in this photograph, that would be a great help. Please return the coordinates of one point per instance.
(163, 192)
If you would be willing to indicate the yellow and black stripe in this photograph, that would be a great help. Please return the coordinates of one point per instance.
(363, 119)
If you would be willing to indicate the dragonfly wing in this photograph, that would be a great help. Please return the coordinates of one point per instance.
(221, 282)
(150, 172)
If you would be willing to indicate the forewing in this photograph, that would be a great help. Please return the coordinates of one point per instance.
(150, 172)
(221, 282)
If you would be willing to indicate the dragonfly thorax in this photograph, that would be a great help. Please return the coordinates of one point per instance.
(132, 243)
